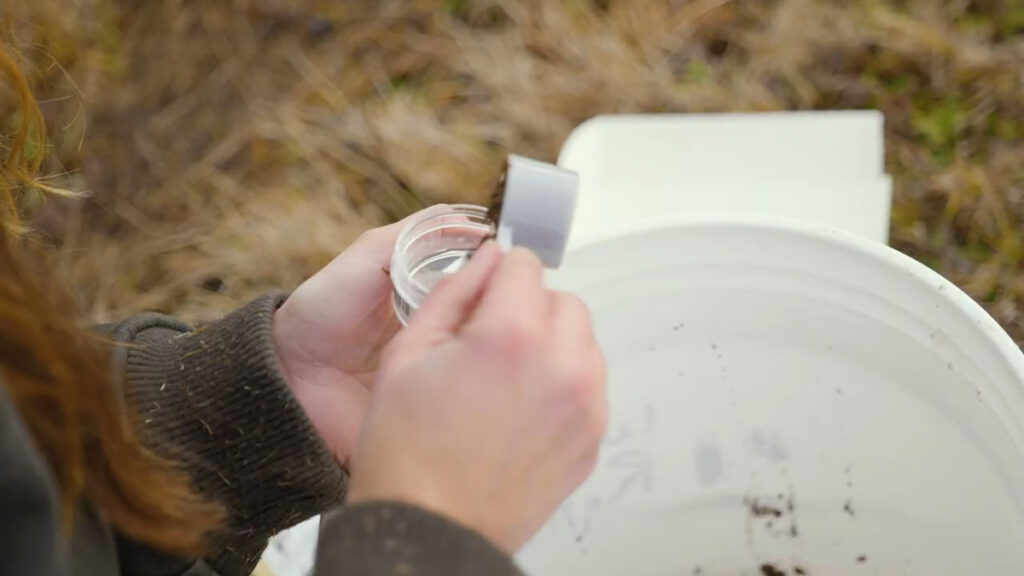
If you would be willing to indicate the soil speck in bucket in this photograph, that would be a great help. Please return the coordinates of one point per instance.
(714, 346)
(862, 559)
(679, 327)
(698, 571)
(758, 510)
(848, 508)
(770, 570)
(799, 570)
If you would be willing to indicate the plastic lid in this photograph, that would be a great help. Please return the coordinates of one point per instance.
(538, 204)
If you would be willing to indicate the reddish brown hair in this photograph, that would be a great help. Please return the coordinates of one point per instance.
(59, 378)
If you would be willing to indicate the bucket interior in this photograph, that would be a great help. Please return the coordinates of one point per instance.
(786, 401)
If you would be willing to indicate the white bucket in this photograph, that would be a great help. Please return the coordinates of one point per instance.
(790, 400)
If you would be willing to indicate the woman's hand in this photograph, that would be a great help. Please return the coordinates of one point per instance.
(329, 335)
(489, 408)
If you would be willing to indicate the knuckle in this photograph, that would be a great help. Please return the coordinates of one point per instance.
(587, 464)
(578, 381)
(516, 336)
(578, 376)
(574, 304)
(582, 390)
(601, 367)
(591, 459)
(598, 424)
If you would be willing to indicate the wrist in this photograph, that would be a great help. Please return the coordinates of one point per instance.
(280, 330)
(333, 400)
(293, 362)
(290, 358)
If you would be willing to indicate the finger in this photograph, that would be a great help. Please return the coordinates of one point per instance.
(452, 301)
(571, 326)
(601, 392)
(516, 291)
(376, 246)
(366, 264)
(573, 331)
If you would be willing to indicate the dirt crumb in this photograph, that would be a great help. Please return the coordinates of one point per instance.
(848, 508)
(759, 510)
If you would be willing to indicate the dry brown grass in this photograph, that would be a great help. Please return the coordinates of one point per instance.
(235, 146)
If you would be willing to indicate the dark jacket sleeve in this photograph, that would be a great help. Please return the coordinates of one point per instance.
(393, 539)
(28, 510)
(216, 395)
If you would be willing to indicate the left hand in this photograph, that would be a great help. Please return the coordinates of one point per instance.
(329, 335)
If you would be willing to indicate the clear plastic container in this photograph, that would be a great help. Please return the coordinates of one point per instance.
(433, 246)
(532, 207)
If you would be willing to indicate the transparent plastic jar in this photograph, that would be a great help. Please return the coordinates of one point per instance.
(532, 207)
(433, 246)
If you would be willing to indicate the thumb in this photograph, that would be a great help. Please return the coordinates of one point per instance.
(452, 301)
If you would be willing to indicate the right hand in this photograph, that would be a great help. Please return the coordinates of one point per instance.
(489, 407)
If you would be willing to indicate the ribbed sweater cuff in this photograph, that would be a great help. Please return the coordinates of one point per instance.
(216, 395)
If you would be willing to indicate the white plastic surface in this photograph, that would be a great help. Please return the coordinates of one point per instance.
(537, 208)
(293, 552)
(758, 367)
(822, 167)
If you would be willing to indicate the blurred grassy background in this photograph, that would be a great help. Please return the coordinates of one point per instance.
(237, 145)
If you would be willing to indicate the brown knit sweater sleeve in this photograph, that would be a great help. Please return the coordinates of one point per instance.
(216, 396)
